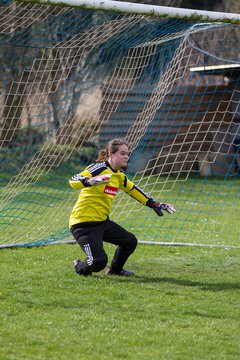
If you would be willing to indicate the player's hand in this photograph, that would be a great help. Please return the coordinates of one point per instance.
(158, 207)
(99, 180)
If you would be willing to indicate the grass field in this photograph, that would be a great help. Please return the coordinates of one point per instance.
(182, 304)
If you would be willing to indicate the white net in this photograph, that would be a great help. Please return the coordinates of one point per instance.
(72, 79)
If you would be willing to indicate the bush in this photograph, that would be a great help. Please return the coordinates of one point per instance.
(26, 137)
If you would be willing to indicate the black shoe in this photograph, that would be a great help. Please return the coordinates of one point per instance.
(82, 271)
(123, 272)
(75, 264)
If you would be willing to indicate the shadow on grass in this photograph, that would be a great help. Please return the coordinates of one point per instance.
(190, 283)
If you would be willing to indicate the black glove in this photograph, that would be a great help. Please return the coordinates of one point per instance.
(158, 207)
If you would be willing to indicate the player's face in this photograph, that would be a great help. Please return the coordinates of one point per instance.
(120, 158)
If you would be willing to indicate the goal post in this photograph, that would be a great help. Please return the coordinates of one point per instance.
(76, 74)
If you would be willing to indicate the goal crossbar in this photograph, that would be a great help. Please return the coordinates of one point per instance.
(146, 9)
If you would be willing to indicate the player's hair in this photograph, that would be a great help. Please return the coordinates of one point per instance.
(111, 147)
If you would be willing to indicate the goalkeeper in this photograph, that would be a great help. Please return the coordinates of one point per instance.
(89, 220)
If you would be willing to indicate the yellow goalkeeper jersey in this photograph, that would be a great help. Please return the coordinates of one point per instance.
(94, 202)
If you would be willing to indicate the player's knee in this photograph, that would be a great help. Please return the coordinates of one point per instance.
(99, 264)
(132, 244)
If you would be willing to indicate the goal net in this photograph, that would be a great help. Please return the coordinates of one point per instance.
(73, 78)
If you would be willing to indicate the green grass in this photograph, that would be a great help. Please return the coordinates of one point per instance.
(182, 304)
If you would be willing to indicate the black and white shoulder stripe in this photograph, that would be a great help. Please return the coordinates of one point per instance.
(96, 168)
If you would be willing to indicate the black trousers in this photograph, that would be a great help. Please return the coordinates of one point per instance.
(90, 236)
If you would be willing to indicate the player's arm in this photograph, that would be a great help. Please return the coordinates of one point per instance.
(85, 179)
(146, 199)
(134, 191)
(79, 181)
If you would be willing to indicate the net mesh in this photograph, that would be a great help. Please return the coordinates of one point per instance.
(73, 79)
